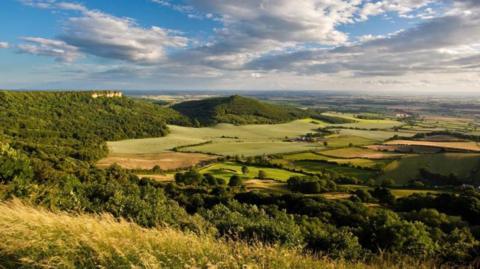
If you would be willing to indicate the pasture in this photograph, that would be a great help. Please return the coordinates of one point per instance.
(226, 139)
(228, 169)
(321, 167)
(318, 156)
(465, 146)
(460, 164)
(377, 135)
(364, 123)
(356, 152)
(340, 141)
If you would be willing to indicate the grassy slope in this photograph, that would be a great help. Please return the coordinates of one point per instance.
(35, 238)
(237, 110)
(408, 168)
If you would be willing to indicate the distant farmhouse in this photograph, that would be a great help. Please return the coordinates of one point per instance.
(107, 94)
(403, 114)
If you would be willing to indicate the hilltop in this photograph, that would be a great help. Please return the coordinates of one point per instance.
(237, 110)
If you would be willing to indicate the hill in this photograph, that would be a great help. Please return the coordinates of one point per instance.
(57, 125)
(237, 110)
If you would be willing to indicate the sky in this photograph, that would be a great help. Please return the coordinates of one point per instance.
(373, 45)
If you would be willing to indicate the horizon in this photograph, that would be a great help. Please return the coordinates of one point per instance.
(381, 46)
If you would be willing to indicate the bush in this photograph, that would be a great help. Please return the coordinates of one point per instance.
(235, 181)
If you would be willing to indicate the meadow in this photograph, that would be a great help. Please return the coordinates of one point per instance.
(340, 141)
(365, 123)
(319, 156)
(356, 152)
(465, 145)
(407, 168)
(227, 169)
(320, 167)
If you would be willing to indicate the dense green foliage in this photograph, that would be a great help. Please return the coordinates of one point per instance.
(61, 129)
(237, 110)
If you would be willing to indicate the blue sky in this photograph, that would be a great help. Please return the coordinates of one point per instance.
(381, 45)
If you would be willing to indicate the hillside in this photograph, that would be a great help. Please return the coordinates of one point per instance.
(237, 110)
(53, 125)
(36, 238)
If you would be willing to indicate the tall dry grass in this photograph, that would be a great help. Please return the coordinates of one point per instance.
(35, 238)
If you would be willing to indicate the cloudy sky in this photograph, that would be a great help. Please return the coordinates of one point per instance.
(380, 45)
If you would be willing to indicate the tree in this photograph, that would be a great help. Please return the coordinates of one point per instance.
(235, 181)
(383, 195)
(325, 143)
(244, 169)
(262, 174)
(157, 169)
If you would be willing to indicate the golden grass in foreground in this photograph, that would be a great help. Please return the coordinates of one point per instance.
(36, 238)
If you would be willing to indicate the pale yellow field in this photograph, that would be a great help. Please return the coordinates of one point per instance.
(166, 160)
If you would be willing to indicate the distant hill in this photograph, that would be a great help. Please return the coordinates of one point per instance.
(56, 125)
(237, 110)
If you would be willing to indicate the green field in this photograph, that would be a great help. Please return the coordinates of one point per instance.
(360, 162)
(252, 148)
(363, 123)
(340, 141)
(407, 168)
(228, 169)
(320, 167)
(377, 135)
(226, 139)
(356, 152)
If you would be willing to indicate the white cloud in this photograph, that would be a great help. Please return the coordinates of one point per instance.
(58, 49)
(402, 7)
(107, 36)
(97, 33)
(4, 45)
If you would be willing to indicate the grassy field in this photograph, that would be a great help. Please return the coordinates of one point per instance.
(377, 135)
(266, 185)
(356, 152)
(341, 141)
(467, 145)
(361, 162)
(363, 123)
(36, 238)
(253, 148)
(227, 169)
(317, 166)
(166, 160)
(226, 139)
(407, 168)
